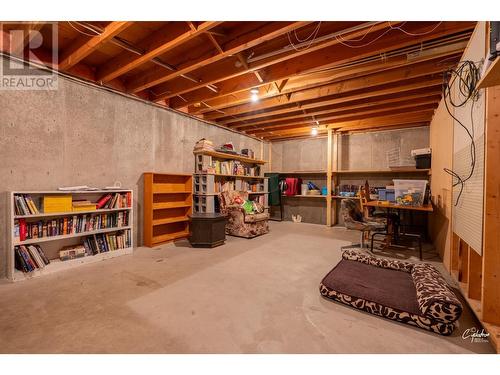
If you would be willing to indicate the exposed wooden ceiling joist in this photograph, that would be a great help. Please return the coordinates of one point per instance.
(337, 122)
(169, 37)
(302, 82)
(353, 111)
(309, 60)
(353, 76)
(338, 88)
(84, 45)
(233, 47)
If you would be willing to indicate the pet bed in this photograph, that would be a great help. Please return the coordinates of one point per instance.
(415, 294)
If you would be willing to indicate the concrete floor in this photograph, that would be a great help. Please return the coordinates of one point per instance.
(249, 296)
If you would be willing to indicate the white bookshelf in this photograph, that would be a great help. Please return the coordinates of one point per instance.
(51, 244)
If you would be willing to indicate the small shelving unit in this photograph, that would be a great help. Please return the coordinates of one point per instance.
(322, 176)
(167, 204)
(207, 186)
(492, 76)
(52, 244)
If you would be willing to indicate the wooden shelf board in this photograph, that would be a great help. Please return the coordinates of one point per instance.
(257, 192)
(492, 76)
(57, 265)
(166, 206)
(172, 192)
(389, 171)
(72, 213)
(342, 197)
(170, 237)
(301, 172)
(170, 220)
(231, 175)
(65, 236)
(72, 192)
(406, 170)
(305, 196)
(222, 155)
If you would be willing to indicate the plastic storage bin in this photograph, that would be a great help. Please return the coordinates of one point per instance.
(386, 195)
(410, 192)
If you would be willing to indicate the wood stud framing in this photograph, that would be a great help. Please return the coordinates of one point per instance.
(353, 76)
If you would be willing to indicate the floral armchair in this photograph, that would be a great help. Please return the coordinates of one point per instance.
(239, 222)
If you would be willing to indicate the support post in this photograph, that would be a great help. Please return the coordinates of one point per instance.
(329, 180)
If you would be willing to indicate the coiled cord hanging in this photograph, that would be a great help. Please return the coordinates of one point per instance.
(466, 75)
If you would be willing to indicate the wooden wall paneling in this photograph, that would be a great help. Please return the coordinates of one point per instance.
(491, 243)
(475, 275)
(455, 245)
(463, 265)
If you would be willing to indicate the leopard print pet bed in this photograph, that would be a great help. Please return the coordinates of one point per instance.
(415, 294)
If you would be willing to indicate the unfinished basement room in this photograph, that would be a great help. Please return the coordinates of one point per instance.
(293, 184)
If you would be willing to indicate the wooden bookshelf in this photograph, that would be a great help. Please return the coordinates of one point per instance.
(52, 244)
(167, 204)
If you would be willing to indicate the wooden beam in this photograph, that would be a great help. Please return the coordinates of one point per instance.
(329, 179)
(245, 65)
(375, 93)
(84, 46)
(419, 97)
(358, 123)
(231, 94)
(319, 57)
(365, 82)
(491, 246)
(375, 121)
(156, 44)
(345, 115)
(225, 73)
(29, 30)
(268, 32)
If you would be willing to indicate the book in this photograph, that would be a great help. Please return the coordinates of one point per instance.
(103, 200)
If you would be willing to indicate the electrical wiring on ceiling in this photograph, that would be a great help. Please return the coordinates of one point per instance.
(466, 75)
(83, 32)
(311, 38)
(399, 28)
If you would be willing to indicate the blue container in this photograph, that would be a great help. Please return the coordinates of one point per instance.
(324, 191)
(386, 195)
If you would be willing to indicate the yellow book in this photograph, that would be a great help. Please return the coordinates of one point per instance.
(57, 203)
(88, 207)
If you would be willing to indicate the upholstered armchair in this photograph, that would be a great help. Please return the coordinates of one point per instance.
(239, 223)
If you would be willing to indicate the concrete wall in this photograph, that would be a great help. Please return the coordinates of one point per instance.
(361, 151)
(82, 135)
(367, 151)
(441, 141)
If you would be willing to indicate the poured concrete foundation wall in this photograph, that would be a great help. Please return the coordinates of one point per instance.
(362, 151)
(82, 135)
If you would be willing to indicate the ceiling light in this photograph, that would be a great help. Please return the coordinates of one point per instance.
(314, 131)
(254, 95)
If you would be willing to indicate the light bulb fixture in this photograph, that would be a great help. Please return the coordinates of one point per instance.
(254, 95)
(314, 131)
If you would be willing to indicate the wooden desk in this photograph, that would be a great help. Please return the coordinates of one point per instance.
(390, 205)
(390, 231)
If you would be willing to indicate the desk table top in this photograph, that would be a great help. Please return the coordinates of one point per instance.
(386, 204)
